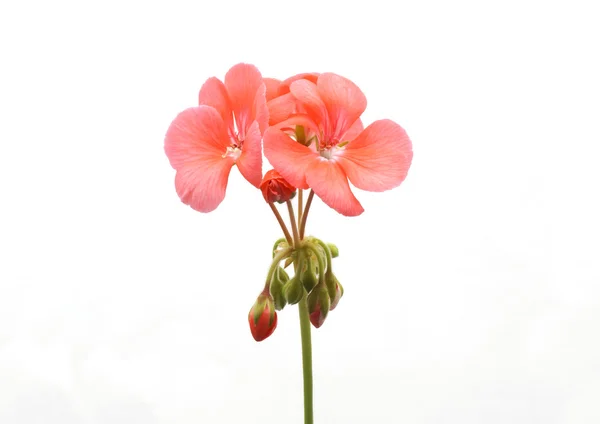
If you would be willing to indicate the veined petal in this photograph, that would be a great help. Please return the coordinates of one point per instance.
(260, 112)
(195, 143)
(288, 157)
(197, 132)
(250, 160)
(353, 131)
(329, 182)
(213, 93)
(344, 101)
(243, 82)
(379, 158)
(306, 93)
(272, 88)
(202, 184)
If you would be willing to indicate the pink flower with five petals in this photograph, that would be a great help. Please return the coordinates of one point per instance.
(376, 158)
(204, 142)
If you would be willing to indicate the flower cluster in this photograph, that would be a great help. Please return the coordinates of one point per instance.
(310, 130)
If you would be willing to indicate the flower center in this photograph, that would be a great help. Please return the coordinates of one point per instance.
(326, 153)
(232, 151)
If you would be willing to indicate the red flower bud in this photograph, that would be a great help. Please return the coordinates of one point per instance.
(275, 188)
(262, 318)
(316, 318)
(318, 306)
(339, 291)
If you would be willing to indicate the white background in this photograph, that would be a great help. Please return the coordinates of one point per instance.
(472, 291)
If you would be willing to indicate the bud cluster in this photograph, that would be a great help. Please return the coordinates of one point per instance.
(313, 278)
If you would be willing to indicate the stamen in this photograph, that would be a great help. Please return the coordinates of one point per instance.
(232, 151)
(326, 153)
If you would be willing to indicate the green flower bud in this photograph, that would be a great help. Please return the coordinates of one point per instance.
(293, 291)
(309, 276)
(276, 290)
(334, 250)
(280, 277)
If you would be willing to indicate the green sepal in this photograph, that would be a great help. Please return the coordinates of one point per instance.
(259, 307)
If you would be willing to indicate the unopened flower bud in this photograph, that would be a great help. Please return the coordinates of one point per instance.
(293, 290)
(318, 306)
(262, 318)
(339, 292)
(281, 274)
(331, 282)
(334, 250)
(276, 288)
(275, 188)
(309, 276)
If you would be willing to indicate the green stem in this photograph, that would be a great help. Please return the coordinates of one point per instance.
(281, 224)
(307, 377)
(293, 221)
(300, 207)
(306, 360)
(305, 213)
(278, 258)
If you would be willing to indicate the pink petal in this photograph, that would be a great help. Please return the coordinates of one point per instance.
(353, 131)
(196, 132)
(288, 157)
(243, 82)
(272, 85)
(260, 112)
(329, 182)
(213, 93)
(250, 161)
(280, 108)
(309, 76)
(298, 119)
(379, 158)
(344, 101)
(194, 144)
(306, 93)
(202, 184)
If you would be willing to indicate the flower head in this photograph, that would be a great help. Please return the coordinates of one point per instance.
(205, 141)
(275, 188)
(376, 158)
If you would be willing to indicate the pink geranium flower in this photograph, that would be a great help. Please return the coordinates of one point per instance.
(204, 142)
(374, 159)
